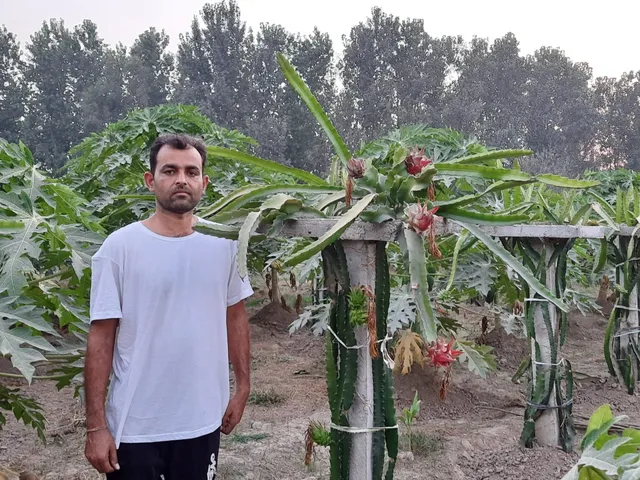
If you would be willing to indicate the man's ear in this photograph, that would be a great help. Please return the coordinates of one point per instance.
(205, 182)
(148, 180)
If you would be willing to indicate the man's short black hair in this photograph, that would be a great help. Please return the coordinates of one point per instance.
(179, 141)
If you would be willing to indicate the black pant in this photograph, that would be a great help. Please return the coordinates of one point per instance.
(193, 459)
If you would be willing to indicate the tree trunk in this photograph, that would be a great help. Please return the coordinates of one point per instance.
(275, 289)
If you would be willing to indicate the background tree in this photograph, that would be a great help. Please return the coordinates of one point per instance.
(149, 69)
(366, 71)
(62, 65)
(400, 65)
(107, 100)
(308, 147)
(11, 86)
(213, 65)
(488, 96)
(391, 72)
(266, 119)
(618, 100)
(562, 119)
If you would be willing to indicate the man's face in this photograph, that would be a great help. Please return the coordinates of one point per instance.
(178, 182)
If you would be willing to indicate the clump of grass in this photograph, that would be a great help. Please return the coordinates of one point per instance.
(246, 438)
(424, 445)
(266, 398)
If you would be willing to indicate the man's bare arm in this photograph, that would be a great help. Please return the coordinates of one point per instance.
(97, 368)
(238, 338)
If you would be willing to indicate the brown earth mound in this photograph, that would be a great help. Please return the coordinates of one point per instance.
(508, 349)
(274, 315)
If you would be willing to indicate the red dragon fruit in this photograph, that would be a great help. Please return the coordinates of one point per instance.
(442, 354)
(420, 218)
(416, 161)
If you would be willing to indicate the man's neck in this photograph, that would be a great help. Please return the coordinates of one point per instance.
(170, 224)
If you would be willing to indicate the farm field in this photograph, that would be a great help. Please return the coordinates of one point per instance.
(472, 434)
(425, 186)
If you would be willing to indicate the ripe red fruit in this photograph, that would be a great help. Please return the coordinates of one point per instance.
(441, 353)
(416, 160)
(420, 218)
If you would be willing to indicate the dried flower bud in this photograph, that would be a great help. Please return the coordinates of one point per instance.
(355, 167)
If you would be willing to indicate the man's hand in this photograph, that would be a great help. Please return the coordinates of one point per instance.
(234, 412)
(100, 450)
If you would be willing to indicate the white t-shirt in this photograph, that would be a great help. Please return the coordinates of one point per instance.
(170, 375)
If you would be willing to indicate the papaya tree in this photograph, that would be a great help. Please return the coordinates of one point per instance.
(47, 237)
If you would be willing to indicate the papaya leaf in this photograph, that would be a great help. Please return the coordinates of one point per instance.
(479, 358)
(605, 459)
(13, 339)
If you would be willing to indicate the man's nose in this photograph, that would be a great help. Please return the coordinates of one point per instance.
(181, 177)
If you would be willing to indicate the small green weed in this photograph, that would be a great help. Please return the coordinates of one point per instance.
(266, 398)
(424, 445)
(409, 415)
(246, 438)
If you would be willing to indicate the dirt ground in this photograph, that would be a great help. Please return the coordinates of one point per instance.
(472, 434)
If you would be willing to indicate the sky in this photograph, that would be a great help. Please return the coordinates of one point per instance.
(601, 33)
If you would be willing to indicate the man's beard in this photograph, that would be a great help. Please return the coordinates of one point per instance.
(178, 205)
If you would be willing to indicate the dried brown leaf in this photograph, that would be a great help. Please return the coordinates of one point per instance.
(408, 351)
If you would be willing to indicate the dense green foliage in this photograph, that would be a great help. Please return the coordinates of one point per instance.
(415, 174)
(607, 455)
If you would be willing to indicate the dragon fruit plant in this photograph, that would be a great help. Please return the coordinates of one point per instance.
(417, 177)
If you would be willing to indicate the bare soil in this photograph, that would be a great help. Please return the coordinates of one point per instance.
(472, 434)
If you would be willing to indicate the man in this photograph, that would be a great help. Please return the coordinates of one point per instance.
(167, 315)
